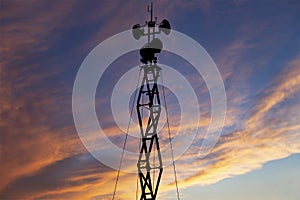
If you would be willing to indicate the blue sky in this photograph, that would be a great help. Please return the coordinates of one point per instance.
(255, 45)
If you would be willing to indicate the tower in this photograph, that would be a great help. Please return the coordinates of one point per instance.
(149, 100)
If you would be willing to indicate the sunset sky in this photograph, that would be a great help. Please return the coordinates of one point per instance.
(255, 45)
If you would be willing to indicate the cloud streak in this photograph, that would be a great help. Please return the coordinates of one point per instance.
(260, 141)
(41, 155)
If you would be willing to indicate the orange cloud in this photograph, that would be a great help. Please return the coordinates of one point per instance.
(28, 142)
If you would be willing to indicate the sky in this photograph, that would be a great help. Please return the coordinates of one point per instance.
(256, 47)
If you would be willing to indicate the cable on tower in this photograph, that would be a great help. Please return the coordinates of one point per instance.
(126, 137)
(170, 139)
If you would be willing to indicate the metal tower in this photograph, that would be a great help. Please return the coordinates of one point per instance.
(150, 144)
(150, 160)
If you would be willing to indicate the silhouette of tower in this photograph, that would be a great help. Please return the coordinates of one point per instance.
(150, 160)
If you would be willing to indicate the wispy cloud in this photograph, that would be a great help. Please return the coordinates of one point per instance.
(41, 154)
(263, 139)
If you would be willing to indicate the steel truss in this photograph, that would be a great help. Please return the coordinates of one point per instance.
(149, 150)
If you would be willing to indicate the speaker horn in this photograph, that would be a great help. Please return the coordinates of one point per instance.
(165, 27)
(137, 31)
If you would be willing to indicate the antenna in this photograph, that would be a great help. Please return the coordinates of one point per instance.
(153, 46)
(151, 11)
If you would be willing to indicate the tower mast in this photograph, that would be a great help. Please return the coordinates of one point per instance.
(149, 100)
